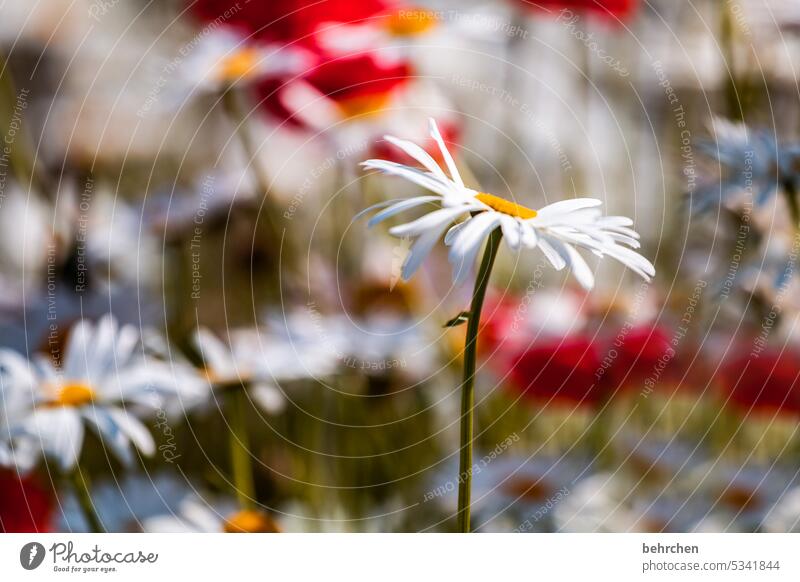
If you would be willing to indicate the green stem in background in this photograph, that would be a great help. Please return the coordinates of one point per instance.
(81, 486)
(733, 103)
(238, 115)
(468, 383)
(241, 462)
(14, 104)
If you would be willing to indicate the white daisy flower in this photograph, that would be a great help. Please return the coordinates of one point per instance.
(557, 229)
(16, 402)
(101, 373)
(196, 515)
(261, 360)
(223, 58)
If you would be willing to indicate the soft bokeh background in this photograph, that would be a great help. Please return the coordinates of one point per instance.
(156, 166)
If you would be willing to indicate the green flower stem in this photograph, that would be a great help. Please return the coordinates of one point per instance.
(241, 462)
(238, 116)
(81, 486)
(468, 383)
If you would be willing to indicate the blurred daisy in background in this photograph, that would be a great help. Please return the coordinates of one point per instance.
(102, 382)
(196, 515)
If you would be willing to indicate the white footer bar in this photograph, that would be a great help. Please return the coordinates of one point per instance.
(401, 557)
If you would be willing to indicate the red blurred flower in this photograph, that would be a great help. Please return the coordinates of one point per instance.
(289, 21)
(25, 506)
(357, 83)
(562, 371)
(637, 356)
(451, 133)
(621, 9)
(766, 383)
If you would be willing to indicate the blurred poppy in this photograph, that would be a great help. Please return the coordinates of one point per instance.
(289, 21)
(357, 82)
(621, 9)
(451, 133)
(635, 356)
(561, 371)
(763, 383)
(24, 505)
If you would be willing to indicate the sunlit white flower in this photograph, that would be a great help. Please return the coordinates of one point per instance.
(101, 374)
(556, 229)
(262, 360)
(124, 502)
(222, 58)
(196, 515)
(16, 402)
(619, 502)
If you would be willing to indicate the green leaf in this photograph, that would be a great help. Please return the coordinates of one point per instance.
(459, 319)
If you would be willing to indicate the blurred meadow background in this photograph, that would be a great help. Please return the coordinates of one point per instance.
(199, 332)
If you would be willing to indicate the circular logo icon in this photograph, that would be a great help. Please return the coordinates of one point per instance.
(31, 555)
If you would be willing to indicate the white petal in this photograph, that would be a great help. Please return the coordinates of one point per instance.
(108, 431)
(529, 236)
(268, 397)
(632, 260)
(135, 430)
(400, 207)
(414, 175)
(448, 159)
(201, 515)
(467, 243)
(59, 432)
(76, 360)
(551, 254)
(511, 231)
(418, 154)
(580, 269)
(422, 247)
(214, 352)
(432, 220)
(567, 206)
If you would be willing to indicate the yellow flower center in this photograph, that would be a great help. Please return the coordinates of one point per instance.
(240, 64)
(505, 206)
(410, 22)
(73, 394)
(364, 104)
(250, 521)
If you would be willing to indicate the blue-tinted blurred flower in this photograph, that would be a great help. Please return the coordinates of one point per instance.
(753, 167)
